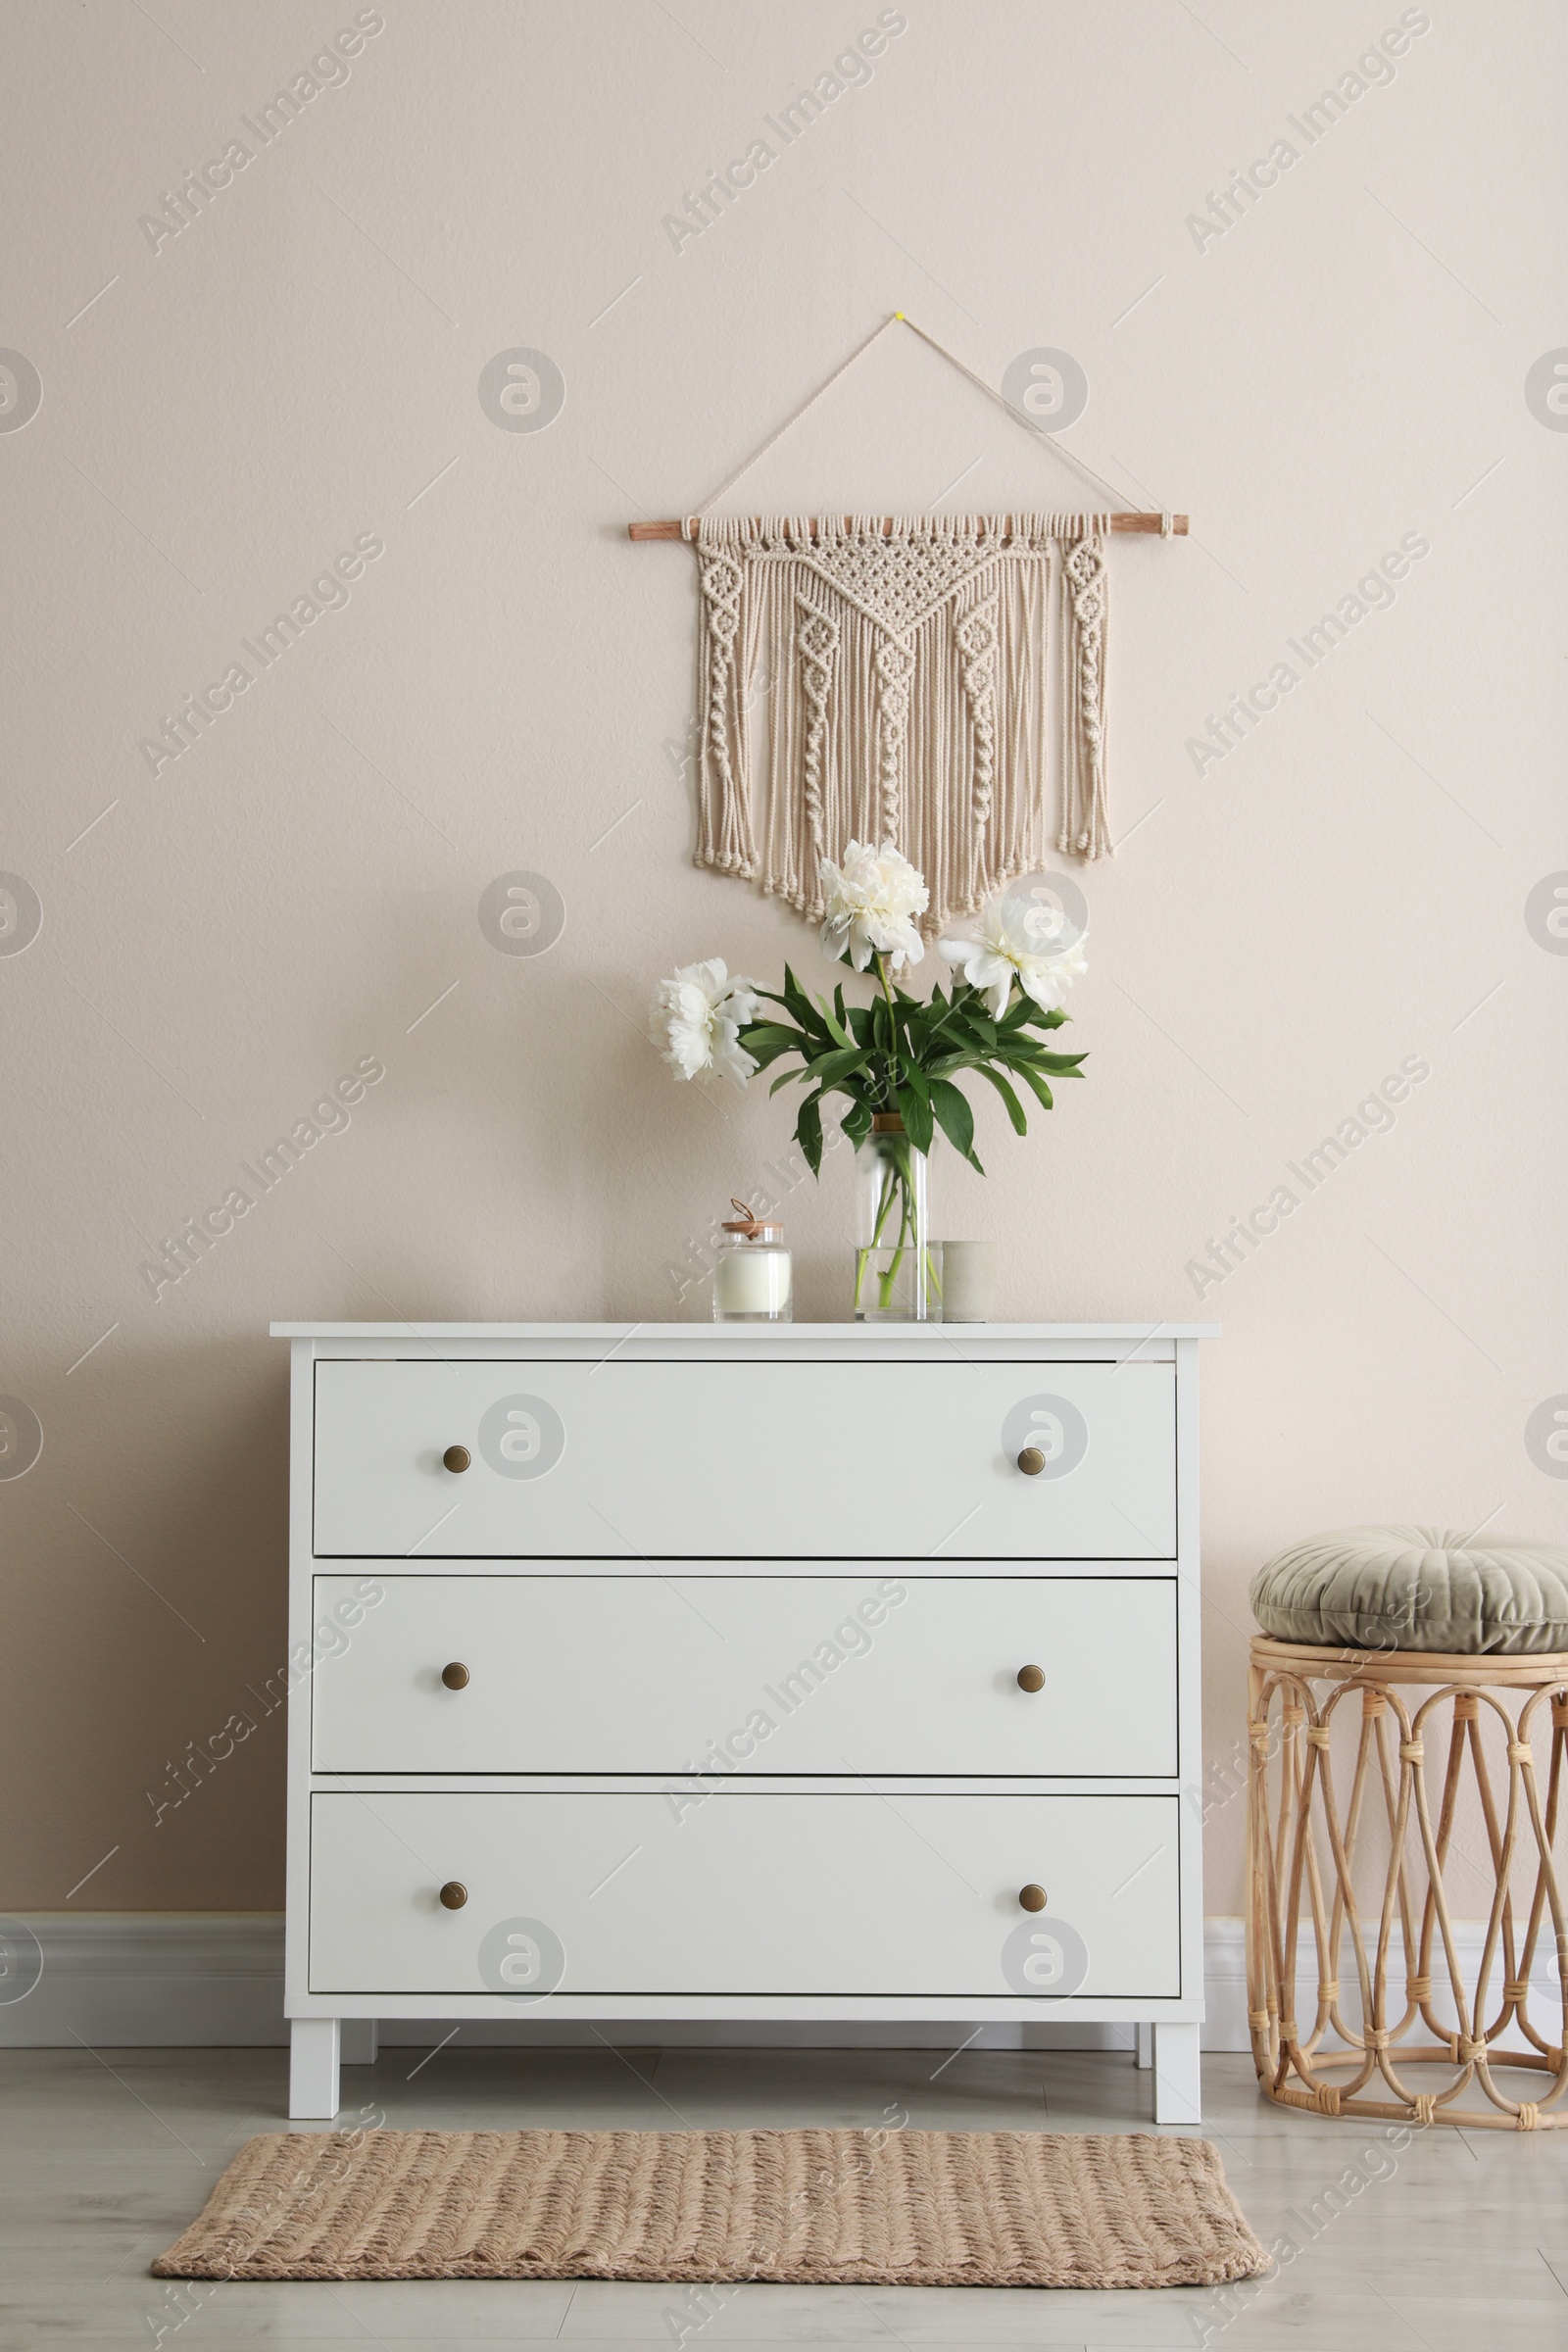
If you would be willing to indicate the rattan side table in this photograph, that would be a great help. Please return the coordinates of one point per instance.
(1346, 1854)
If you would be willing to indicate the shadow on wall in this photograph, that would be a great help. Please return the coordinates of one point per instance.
(164, 1510)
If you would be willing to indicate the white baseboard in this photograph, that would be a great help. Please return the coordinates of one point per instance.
(151, 1980)
(200, 1980)
(1225, 2025)
(132, 1980)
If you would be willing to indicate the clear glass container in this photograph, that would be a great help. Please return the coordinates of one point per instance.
(753, 1276)
(968, 1271)
(896, 1278)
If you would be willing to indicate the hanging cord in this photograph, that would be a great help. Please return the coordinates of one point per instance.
(898, 319)
(1018, 417)
(791, 421)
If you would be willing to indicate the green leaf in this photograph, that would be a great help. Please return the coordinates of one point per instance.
(764, 1055)
(955, 1118)
(947, 1013)
(768, 1033)
(1014, 1107)
(1037, 1085)
(796, 1002)
(915, 1111)
(835, 1026)
(808, 1132)
(1024, 1053)
(857, 1121)
(829, 1068)
(787, 1078)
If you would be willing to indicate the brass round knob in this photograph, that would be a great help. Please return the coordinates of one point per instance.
(456, 1676)
(454, 1895)
(1030, 1677)
(1031, 1462)
(456, 1457)
(1030, 1898)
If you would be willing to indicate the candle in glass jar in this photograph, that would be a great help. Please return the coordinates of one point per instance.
(751, 1279)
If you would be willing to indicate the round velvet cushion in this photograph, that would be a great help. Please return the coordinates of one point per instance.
(1417, 1588)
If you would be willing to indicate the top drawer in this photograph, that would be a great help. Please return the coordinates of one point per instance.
(713, 1459)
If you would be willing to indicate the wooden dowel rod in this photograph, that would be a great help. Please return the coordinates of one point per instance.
(1146, 524)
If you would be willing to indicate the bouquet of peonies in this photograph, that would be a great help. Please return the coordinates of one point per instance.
(899, 1056)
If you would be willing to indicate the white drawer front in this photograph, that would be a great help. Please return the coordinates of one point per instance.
(754, 1674)
(723, 1459)
(750, 1893)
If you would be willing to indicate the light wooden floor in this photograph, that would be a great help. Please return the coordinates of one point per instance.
(1462, 2247)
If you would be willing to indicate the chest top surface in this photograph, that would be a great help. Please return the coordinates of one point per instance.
(958, 1340)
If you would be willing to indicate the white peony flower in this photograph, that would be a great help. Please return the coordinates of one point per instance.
(872, 901)
(696, 1019)
(1006, 944)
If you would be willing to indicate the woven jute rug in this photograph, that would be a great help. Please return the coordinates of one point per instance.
(896, 2207)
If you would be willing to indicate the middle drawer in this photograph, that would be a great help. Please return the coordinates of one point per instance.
(749, 1674)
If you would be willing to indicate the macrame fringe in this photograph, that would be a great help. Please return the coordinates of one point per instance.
(860, 684)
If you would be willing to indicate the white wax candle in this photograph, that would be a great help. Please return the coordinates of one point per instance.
(752, 1282)
(968, 1281)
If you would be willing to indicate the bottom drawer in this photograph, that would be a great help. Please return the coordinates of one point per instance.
(745, 1892)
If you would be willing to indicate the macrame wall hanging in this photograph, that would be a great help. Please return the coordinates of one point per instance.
(919, 679)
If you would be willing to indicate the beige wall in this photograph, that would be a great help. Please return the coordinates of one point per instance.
(509, 683)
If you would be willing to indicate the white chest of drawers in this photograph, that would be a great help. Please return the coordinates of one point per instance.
(668, 1672)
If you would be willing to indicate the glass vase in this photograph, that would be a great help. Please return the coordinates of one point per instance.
(895, 1274)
